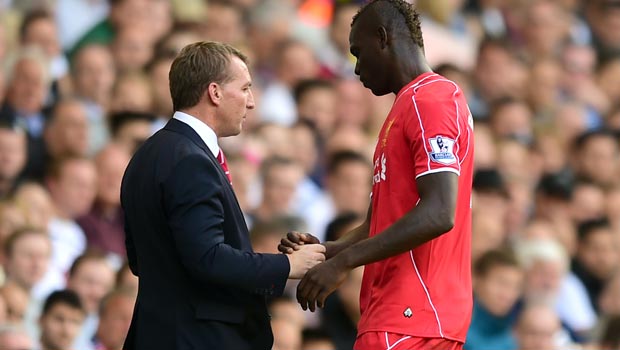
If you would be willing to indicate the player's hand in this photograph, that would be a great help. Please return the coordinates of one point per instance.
(319, 283)
(294, 240)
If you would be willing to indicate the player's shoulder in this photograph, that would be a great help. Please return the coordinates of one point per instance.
(434, 87)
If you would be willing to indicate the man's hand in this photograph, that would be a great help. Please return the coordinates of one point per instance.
(304, 258)
(319, 283)
(294, 240)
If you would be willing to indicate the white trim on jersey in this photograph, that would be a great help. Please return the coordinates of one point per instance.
(422, 129)
(428, 296)
(387, 342)
(414, 86)
(439, 170)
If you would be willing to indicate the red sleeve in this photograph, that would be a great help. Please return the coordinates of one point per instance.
(433, 132)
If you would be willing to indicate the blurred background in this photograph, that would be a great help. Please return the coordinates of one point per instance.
(84, 82)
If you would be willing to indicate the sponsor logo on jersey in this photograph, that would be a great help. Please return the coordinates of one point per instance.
(442, 150)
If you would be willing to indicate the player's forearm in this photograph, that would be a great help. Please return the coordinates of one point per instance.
(422, 224)
(356, 235)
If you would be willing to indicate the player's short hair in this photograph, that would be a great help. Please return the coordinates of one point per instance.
(198, 65)
(64, 297)
(399, 13)
(494, 258)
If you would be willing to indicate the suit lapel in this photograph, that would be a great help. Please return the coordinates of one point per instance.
(179, 127)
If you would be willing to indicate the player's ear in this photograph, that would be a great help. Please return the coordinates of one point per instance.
(383, 37)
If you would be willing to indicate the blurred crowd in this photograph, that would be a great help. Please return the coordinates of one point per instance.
(85, 82)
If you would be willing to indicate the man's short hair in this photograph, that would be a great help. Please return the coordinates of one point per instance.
(31, 17)
(64, 297)
(494, 258)
(308, 85)
(198, 65)
(268, 164)
(586, 228)
(55, 168)
(342, 157)
(120, 119)
(16, 235)
(400, 14)
(28, 53)
(89, 255)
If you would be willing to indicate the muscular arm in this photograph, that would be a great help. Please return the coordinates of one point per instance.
(430, 218)
(433, 216)
(357, 234)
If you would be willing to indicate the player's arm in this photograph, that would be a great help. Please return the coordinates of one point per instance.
(431, 217)
(293, 240)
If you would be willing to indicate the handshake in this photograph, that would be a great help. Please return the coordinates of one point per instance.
(319, 277)
(303, 252)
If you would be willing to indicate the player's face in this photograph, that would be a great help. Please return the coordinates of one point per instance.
(371, 63)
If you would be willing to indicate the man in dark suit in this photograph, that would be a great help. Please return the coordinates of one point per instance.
(201, 285)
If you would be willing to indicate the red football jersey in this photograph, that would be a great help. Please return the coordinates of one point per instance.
(425, 292)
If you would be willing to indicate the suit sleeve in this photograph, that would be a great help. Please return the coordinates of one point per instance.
(193, 203)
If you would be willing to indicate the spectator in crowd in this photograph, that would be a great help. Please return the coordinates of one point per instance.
(91, 277)
(316, 103)
(335, 56)
(13, 157)
(17, 301)
(287, 322)
(294, 62)
(125, 279)
(27, 84)
(36, 204)
(157, 71)
(14, 338)
(265, 235)
(27, 255)
(66, 132)
(348, 185)
(132, 49)
(498, 282)
(549, 281)
(115, 312)
(224, 23)
(93, 74)
(130, 129)
(597, 157)
(537, 328)
(280, 177)
(39, 28)
(132, 92)
(72, 183)
(597, 258)
(104, 224)
(61, 320)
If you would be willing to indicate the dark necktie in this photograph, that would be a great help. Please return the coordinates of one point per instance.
(222, 159)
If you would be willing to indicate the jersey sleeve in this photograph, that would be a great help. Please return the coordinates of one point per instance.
(433, 133)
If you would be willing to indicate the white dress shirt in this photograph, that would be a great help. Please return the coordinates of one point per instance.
(203, 130)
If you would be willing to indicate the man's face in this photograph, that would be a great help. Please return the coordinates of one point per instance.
(598, 252)
(371, 64)
(110, 168)
(29, 260)
(12, 153)
(131, 135)
(60, 326)
(499, 289)
(44, 34)
(350, 187)
(114, 322)
(236, 99)
(92, 281)
(94, 73)
(69, 132)
(26, 92)
(75, 188)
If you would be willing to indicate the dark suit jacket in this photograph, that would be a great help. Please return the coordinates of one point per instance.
(201, 286)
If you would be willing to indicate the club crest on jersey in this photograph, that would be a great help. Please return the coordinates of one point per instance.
(442, 150)
(408, 313)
